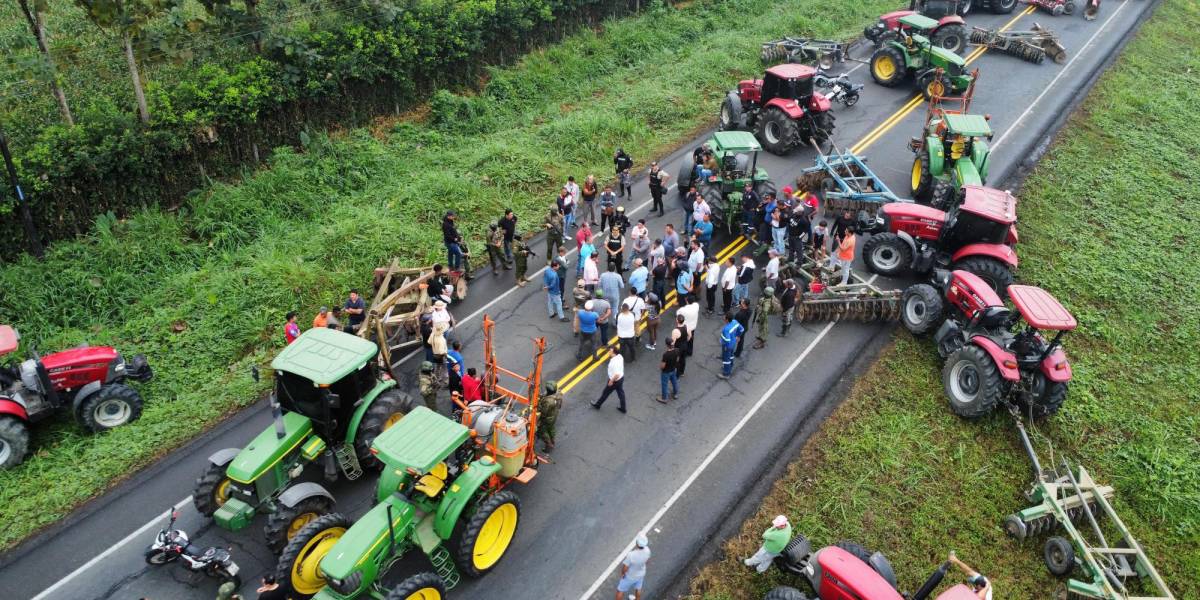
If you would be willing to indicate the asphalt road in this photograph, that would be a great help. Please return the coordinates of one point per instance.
(675, 471)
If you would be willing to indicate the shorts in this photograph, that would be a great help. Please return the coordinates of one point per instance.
(628, 584)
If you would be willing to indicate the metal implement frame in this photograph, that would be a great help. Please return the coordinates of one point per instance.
(801, 50)
(845, 181)
(853, 301)
(1033, 45)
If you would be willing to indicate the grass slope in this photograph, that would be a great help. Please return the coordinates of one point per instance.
(229, 263)
(1108, 225)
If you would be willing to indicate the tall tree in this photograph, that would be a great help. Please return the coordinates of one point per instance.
(128, 17)
(33, 16)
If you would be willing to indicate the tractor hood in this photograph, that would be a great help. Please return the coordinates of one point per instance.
(368, 535)
(265, 450)
(947, 55)
(9, 338)
(78, 357)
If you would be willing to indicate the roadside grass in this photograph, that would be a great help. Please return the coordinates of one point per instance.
(228, 264)
(1108, 225)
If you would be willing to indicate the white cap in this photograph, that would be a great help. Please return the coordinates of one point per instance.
(588, 305)
(439, 304)
(641, 541)
(780, 522)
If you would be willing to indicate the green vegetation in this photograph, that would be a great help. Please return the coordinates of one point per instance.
(203, 290)
(1108, 225)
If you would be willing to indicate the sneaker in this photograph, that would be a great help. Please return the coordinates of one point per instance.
(621, 410)
(651, 347)
(661, 400)
(563, 319)
(594, 405)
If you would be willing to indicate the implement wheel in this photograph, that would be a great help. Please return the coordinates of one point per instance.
(489, 533)
(422, 586)
(972, 382)
(300, 562)
(923, 308)
(888, 67)
(1059, 556)
(212, 490)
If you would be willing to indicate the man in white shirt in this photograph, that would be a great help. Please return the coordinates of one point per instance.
(627, 332)
(728, 282)
(712, 279)
(696, 257)
(572, 190)
(700, 209)
(636, 304)
(616, 379)
(633, 569)
(657, 255)
(771, 272)
(691, 317)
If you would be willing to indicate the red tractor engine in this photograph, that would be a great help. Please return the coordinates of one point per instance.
(781, 109)
(90, 381)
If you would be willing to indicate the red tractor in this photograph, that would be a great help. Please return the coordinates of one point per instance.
(848, 571)
(977, 235)
(781, 109)
(991, 358)
(949, 32)
(89, 380)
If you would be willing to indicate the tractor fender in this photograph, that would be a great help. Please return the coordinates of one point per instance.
(819, 103)
(224, 456)
(1000, 356)
(908, 239)
(364, 404)
(937, 156)
(301, 491)
(980, 155)
(83, 393)
(966, 173)
(9, 406)
(951, 20)
(1000, 252)
(1056, 367)
(789, 107)
(462, 491)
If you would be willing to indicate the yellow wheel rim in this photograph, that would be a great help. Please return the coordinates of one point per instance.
(392, 420)
(425, 594)
(916, 173)
(221, 494)
(300, 521)
(306, 569)
(935, 88)
(495, 536)
(884, 67)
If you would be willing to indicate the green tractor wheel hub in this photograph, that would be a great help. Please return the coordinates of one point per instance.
(234, 515)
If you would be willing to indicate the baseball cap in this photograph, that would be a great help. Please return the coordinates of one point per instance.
(780, 522)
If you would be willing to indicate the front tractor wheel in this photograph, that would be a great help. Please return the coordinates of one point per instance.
(972, 382)
(112, 406)
(489, 533)
(422, 586)
(935, 85)
(300, 562)
(886, 254)
(732, 116)
(14, 442)
(785, 593)
(995, 273)
(776, 131)
(921, 177)
(951, 37)
(388, 408)
(923, 308)
(212, 490)
(287, 521)
(888, 67)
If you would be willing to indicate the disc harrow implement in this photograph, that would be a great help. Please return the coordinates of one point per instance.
(852, 302)
(845, 182)
(1033, 46)
(804, 50)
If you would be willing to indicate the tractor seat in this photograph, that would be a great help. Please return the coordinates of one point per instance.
(432, 483)
(993, 317)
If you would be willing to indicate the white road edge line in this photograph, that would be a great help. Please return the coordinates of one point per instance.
(103, 555)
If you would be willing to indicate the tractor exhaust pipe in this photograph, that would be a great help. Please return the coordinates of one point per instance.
(276, 410)
(934, 580)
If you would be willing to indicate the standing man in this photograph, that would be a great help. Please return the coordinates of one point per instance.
(616, 380)
(787, 305)
(614, 246)
(427, 386)
(357, 309)
(771, 271)
(745, 274)
(841, 226)
(587, 330)
(660, 274)
(639, 277)
(452, 240)
(603, 308)
(750, 204)
(612, 284)
(844, 254)
(654, 307)
(508, 223)
(472, 385)
(699, 210)
(731, 335)
(608, 207)
(683, 283)
(658, 184)
(572, 190)
(521, 254)
(670, 240)
(762, 314)
(689, 205)
(712, 281)
(669, 373)
(582, 296)
(633, 569)
(548, 406)
(704, 233)
(553, 294)
(742, 316)
(695, 260)
(456, 367)
(679, 337)
(622, 161)
(587, 212)
(641, 243)
(728, 282)
(591, 271)
(799, 229)
(657, 254)
(291, 329)
(560, 267)
(495, 248)
(775, 538)
(627, 333)
(690, 312)
(553, 223)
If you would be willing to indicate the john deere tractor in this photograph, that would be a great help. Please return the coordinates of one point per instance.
(330, 403)
(937, 71)
(952, 153)
(736, 154)
(437, 496)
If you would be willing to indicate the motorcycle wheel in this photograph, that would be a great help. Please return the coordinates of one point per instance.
(851, 99)
(159, 556)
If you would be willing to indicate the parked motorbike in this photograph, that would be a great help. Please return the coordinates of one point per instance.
(171, 545)
(842, 89)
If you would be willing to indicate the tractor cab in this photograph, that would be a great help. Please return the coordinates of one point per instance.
(737, 155)
(420, 456)
(914, 30)
(984, 216)
(323, 375)
(960, 133)
(788, 81)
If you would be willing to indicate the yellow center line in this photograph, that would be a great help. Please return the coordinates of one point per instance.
(591, 363)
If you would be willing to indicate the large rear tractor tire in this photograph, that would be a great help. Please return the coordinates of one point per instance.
(858, 550)
(822, 124)
(14, 442)
(888, 67)
(287, 521)
(964, 7)
(942, 196)
(785, 593)
(1002, 7)
(921, 177)
(764, 187)
(972, 382)
(923, 308)
(992, 271)
(776, 131)
(422, 586)
(388, 408)
(299, 563)
(1047, 397)
(721, 214)
(212, 490)
(732, 116)
(488, 534)
(952, 37)
(112, 406)
(886, 254)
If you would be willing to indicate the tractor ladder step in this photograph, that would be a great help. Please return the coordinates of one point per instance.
(348, 461)
(443, 565)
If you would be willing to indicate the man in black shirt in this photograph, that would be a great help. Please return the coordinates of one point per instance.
(669, 372)
(787, 302)
(356, 310)
(840, 226)
(452, 239)
(509, 224)
(622, 161)
(742, 316)
(658, 183)
(750, 204)
(799, 228)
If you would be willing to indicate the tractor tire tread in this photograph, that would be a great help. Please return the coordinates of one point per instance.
(994, 272)
(859, 551)
(15, 433)
(387, 403)
(934, 308)
(465, 545)
(411, 585)
(990, 391)
(291, 551)
(887, 238)
(784, 592)
(897, 58)
(206, 486)
(87, 410)
(275, 531)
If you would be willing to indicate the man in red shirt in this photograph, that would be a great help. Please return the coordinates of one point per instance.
(472, 386)
(291, 331)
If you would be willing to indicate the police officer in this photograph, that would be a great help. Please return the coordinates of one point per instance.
(521, 254)
(548, 408)
(427, 386)
(658, 183)
(762, 312)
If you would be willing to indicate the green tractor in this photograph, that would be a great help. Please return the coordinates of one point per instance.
(736, 155)
(330, 402)
(438, 494)
(937, 71)
(953, 152)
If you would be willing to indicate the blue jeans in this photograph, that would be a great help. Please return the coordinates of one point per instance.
(508, 250)
(726, 361)
(554, 305)
(569, 218)
(740, 290)
(688, 223)
(453, 256)
(779, 239)
(673, 378)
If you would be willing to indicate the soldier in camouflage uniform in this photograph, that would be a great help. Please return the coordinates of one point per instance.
(554, 233)
(428, 386)
(495, 248)
(521, 254)
(548, 408)
(767, 304)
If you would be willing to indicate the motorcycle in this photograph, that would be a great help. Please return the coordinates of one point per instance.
(842, 89)
(173, 544)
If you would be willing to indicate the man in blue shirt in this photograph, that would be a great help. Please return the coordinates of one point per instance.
(683, 283)
(639, 277)
(730, 334)
(553, 294)
(455, 367)
(704, 233)
(587, 330)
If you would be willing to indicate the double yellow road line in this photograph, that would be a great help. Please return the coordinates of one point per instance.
(591, 363)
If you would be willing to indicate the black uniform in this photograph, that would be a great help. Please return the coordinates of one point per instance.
(656, 191)
(742, 316)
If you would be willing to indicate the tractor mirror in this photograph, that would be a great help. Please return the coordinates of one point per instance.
(335, 401)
